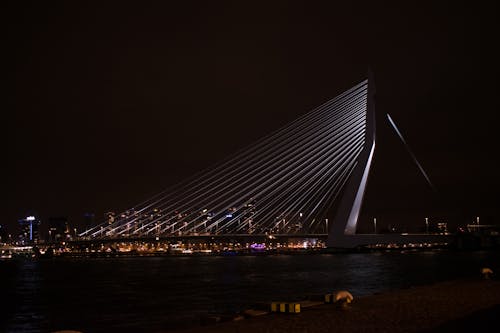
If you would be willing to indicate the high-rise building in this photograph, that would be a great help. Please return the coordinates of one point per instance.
(29, 230)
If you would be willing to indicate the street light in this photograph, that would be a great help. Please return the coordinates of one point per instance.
(427, 225)
(375, 224)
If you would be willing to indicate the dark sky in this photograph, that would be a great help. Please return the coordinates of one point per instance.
(109, 103)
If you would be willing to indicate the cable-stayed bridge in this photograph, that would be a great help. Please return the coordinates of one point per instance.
(291, 182)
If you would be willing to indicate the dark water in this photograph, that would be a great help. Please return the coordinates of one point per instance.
(162, 293)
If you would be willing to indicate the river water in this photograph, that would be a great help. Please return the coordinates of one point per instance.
(157, 294)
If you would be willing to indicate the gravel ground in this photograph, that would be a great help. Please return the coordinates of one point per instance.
(454, 306)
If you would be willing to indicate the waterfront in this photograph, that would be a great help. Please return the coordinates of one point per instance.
(153, 294)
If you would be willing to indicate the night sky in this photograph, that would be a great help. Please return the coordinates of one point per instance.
(108, 104)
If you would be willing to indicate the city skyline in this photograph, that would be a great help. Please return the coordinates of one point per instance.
(111, 105)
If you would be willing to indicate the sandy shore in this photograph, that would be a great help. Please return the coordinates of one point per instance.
(455, 306)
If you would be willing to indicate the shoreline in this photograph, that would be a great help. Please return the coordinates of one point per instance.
(298, 252)
(104, 255)
(443, 306)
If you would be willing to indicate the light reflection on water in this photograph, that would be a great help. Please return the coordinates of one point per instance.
(157, 294)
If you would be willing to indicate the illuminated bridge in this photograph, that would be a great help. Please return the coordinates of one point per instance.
(285, 184)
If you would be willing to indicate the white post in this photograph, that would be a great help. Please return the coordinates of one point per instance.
(375, 224)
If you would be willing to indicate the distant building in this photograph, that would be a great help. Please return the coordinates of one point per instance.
(109, 217)
(29, 230)
(442, 227)
(58, 229)
(484, 229)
